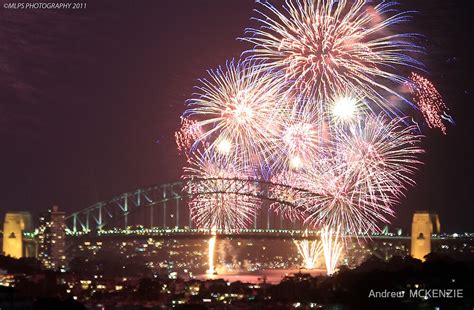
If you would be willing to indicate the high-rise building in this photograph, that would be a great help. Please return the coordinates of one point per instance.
(16, 223)
(423, 226)
(52, 239)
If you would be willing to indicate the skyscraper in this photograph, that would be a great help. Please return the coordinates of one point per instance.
(15, 224)
(52, 239)
(423, 225)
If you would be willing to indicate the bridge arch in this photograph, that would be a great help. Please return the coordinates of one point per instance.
(165, 205)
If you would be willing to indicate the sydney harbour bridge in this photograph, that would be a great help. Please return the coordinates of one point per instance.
(163, 209)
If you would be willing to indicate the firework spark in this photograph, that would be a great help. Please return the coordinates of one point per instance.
(332, 247)
(326, 46)
(310, 250)
(187, 135)
(381, 154)
(365, 172)
(346, 107)
(429, 102)
(210, 255)
(292, 193)
(214, 203)
(234, 108)
(342, 201)
(297, 138)
(315, 112)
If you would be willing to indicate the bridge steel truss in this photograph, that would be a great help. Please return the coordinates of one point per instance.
(170, 198)
(97, 216)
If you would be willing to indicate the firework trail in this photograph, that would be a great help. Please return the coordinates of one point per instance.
(324, 47)
(211, 250)
(332, 247)
(430, 102)
(310, 250)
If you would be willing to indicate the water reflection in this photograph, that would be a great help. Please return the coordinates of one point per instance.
(267, 276)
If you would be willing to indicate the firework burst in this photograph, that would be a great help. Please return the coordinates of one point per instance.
(187, 135)
(312, 119)
(327, 46)
(342, 201)
(429, 102)
(214, 203)
(346, 107)
(298, 136)
(234, 108)
(382, 154)
(365, 172)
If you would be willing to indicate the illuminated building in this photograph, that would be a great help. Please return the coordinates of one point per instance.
(14, 245)
(423, 225)
(52, 239)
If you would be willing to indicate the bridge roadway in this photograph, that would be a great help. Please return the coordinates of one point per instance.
(190, 233)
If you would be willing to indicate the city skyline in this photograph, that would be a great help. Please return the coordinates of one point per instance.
(163, 266)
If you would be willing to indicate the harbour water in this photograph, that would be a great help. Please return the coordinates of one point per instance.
(269, 276)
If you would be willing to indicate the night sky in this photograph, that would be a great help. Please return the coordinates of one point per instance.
(90, 99)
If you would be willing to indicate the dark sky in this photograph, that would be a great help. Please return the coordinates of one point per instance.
(90, 99)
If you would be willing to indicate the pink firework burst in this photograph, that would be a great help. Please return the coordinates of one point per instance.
(429, 102)
(187, 135)
(325, 46)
